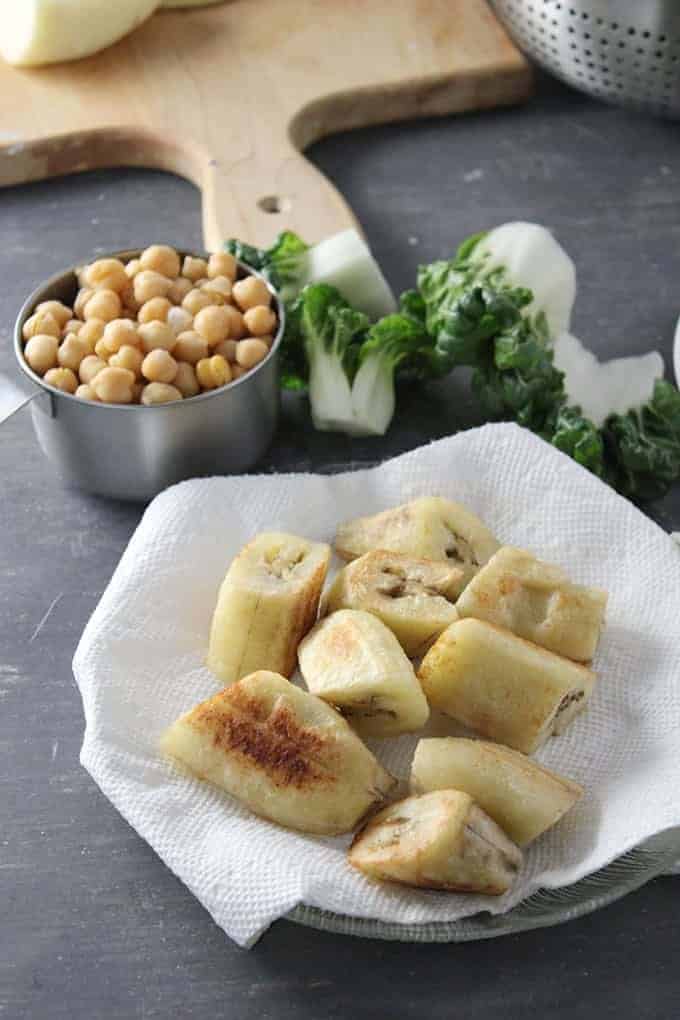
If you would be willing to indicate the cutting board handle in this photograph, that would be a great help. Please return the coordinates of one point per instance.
(238, 200)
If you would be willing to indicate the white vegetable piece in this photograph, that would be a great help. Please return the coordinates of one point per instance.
(676, 354)
(531, 257)
(345, 261)
(49, 31)
(602, 388)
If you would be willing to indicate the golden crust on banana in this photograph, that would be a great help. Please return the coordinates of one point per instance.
(285, 754)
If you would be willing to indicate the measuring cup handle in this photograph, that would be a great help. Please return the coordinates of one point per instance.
(12, 398)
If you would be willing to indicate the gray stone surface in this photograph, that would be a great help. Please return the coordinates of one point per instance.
(92, 924)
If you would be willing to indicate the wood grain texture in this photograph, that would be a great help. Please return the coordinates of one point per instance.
(230, 96)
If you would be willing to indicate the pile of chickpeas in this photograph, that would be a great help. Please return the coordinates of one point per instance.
(153, 330)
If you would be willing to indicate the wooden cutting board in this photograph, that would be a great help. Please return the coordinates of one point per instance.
(230, 96)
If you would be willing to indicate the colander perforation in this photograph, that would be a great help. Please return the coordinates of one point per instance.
(625, 51)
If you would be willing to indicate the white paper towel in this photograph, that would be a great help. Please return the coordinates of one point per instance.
(140, 664)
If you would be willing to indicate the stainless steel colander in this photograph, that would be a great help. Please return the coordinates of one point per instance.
(624, 51)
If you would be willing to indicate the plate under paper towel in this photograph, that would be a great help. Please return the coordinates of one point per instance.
(140, 664)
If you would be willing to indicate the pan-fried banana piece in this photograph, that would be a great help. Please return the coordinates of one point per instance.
(441, 840)
(520, 796)
(283, 753)
(414, 598)
(431, 528)
(267, 603)
(355, 663)
(536, 601)
(502, 686)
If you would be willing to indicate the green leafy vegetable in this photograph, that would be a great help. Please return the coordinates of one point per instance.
(485, 325)
(393, 341)
(284, 264)
(644, 445)
(331, 331)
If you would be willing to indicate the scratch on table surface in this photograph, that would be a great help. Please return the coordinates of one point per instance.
(46, 617)
(55, 748)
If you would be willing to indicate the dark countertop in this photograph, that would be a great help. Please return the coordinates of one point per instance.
(93, 924)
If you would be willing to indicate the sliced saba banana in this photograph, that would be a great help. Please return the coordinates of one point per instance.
(441, 840)
(536, 601)
(415, 598)
(430, 528)
(267, 603)
(521, 796)
(283, 753)
(355, 663)
(501, 686)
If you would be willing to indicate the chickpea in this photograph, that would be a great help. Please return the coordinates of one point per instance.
(201, 283)
(159, 393)
(218, 289)
(132, 268)
(267, 339)
(85, 392)
(157, 334)
(63, 378)
(57, 309)
(71, 326)
(160, 258)
(194, 269)
(213, 324)
(195, 301)
(154, 310)
(190, 347)
(83, 296)
(227, 349)
(90, 367)
(259, 320)
(186, 381)
(101, 349)
(91, 331)
(250, 352)
(120, 333)
(149, 284)
(213, 372)
(250, 292)
(179, 320)
(106, 274)
(79, 273)
(237, 327)
(130, 303)
(221, 263)
(114, 385)
(128, 357)
(105, 305)
(41, 324)
(237, 371)
(137, 390)
(159, 366)
(71, 352)
(41, 352)
(179, 290)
